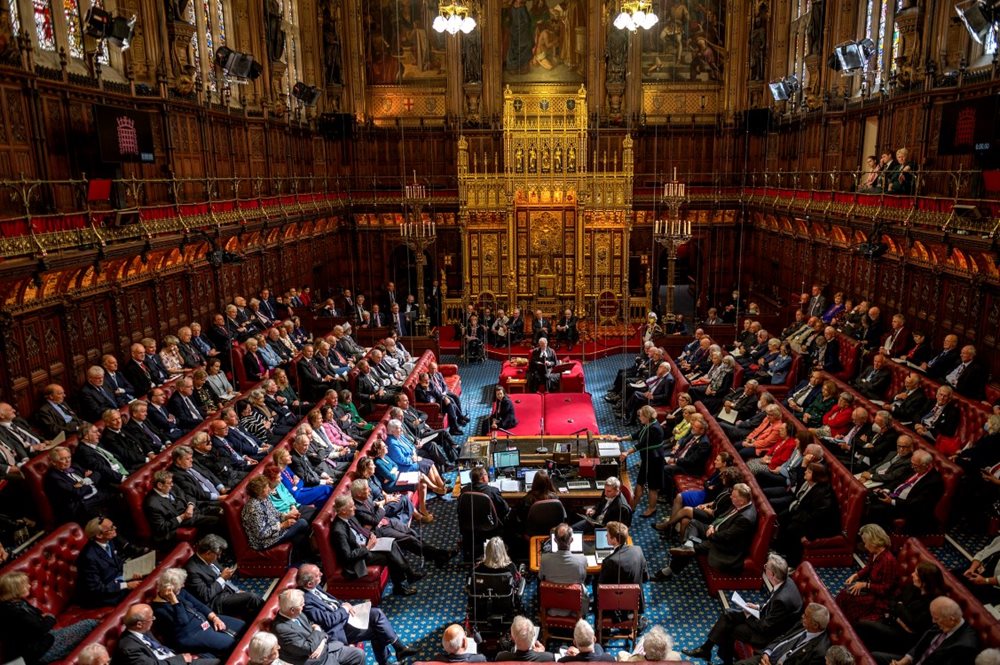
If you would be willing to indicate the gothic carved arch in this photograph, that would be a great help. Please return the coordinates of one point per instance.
(920, 252)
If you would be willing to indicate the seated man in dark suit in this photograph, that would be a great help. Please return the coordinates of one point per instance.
(90, 456)
(100, 580)
(374, 518)
(117, 441)
(688, 456)
(74, 494)
(213, 585)
(302, 642)
(216, 462)
(168, 509)
(479, 481)
(456, 647)
(941, 419)
(116, 381)
(625, 565)
(352, 544)
(911, 402)
(611, 508)
(141, 429)
(969, 377)
(874, 381)
(912, 500)
(95, 397)
(655, 392)
(182, 405)
(526, 647)
(160, 416)
(952, 641)
(427, 393)
(945, 361)
(895, 467)
(55, 416)
(566, 332)
(332, 615)
(775, 616)
(137, 646)
(805, 644)
(726, 541)
(204, 489)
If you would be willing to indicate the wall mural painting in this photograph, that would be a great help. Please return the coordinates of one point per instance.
(400, 45)
(687, 44)
(544, 41)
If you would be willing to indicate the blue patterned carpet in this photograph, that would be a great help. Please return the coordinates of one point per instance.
(682, 606)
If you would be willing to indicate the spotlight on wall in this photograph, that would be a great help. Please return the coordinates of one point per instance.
(118, 30)
(236, 64)
(307, 94)
(979, 17)
(854, 56)
(784, 88)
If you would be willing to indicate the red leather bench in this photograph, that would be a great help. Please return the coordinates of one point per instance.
(767, 522)
(838, 550)
(240, 655)
(780, 390)
(850, 357)
(451, 379)
(110, 628)
(975, 614)
(681, 385)
(50, 564)
(689, 482)
(369, 587)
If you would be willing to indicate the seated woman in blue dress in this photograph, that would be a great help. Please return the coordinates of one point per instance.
(406, 454)
(387, 472)
(188, 624)
(314, 496)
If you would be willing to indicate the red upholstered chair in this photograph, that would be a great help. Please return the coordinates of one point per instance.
(239, 371)
(552, 596)
(618, 611)
(240, 656)
(850, 357)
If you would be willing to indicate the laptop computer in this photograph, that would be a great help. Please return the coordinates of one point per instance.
(465, 477)
(576, 546)
(602, 548)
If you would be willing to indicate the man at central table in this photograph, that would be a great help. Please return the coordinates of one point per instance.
(540, 365)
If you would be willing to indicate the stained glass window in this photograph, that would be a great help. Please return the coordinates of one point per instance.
(15, 20)
(74, 30)
(292, 56)
(209, 19)
(44, 27)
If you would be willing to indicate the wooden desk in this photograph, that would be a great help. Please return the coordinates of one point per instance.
(535, 552)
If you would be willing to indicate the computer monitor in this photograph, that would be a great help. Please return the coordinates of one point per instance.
(601, 540)
(529, 477)
(506, 459)
(575, 546)
(465, 477)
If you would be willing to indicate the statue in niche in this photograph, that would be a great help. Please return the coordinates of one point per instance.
(814, 31)
(546, 159)
(557, 159)
(532, 160)
(571, 159)
(332, 46)
(519, 160)
(275, 36)
(616, 55)
(758, 43)
(472, 57)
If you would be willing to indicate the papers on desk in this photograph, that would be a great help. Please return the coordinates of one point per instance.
(877, 402)
(728, 415)
(427, 439)
(738, 601)
(608, 449)
(359, 617)
(139, 566)
(383, 544)
(408, 478)
(872, 484)
(506, 484)
(591, 560)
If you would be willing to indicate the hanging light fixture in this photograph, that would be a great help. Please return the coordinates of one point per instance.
(636, 14)
(454, 17)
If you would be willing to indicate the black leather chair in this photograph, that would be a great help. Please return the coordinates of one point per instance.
(543, 516)
(477, 522)
(494, 599)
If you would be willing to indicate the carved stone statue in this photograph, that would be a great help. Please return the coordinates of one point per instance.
(571, 160)
(758, 43)
(472, 57)
(532, 160)
(275, 35)
(617, 54)
(333, 48)
(814, 31)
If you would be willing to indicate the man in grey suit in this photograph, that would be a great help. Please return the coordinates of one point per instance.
(563, 566)
(304, 643)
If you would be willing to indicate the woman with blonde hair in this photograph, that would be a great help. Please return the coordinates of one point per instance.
(866, 593)
(25, 632)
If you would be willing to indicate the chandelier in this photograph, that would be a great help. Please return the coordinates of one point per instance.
(636, 14)
(454, 17)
